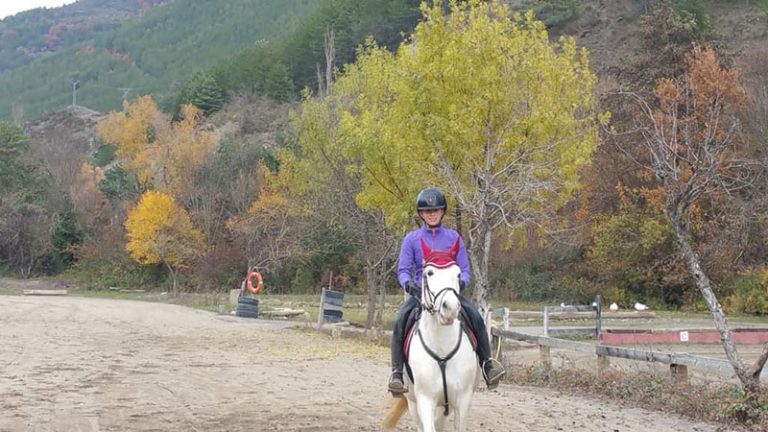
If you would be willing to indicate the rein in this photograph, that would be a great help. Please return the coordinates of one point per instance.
(442, 361)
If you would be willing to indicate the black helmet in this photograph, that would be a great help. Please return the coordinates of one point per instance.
(430, 199)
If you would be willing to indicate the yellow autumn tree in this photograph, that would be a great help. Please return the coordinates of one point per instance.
(163, 153)
(479, 102)
(182, 149)
(161, 232)
(133, 132)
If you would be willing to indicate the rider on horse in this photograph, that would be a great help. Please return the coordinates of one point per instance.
(431, 207)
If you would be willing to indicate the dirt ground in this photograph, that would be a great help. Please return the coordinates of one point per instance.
(86, 364)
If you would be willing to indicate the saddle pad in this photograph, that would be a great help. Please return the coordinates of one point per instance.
(470, 334)
(468, 329)
(410, 327)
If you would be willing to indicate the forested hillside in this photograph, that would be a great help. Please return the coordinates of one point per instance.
(111, 57)
(546, 152)
(26, 36)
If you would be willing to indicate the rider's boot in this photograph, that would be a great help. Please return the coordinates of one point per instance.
(493, 372)
(396, 385)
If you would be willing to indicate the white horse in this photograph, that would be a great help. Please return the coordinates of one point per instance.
(441, 357)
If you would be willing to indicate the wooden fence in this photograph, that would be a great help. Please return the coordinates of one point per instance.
(574, 309)
(678, 362)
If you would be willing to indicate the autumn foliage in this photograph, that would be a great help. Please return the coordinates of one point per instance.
(133, 131)
(160, 232)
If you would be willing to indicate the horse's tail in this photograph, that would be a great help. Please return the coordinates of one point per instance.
(395, 412)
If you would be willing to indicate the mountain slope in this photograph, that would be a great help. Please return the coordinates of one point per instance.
(32, 34)
(147, 55)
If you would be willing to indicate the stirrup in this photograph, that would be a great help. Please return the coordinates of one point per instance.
(396, 384)
(493, 381)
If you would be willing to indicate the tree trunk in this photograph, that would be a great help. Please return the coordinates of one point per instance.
(379, 322)
(173, 278)
(27, 263)
(750, 378)
(457, 218)
(371, 282)
(479, 252)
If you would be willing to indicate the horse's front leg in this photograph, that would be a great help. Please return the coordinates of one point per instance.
(461, 411)
(440, 418)
(413, 409)
(425, 406)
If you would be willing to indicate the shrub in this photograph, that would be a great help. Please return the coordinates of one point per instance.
(553, 13)
(750, 293)
(724, 403)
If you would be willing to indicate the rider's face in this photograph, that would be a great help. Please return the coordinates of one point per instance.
(432, 217)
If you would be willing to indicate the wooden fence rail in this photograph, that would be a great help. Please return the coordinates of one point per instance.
(678, 362)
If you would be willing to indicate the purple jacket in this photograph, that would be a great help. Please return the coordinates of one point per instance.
(440, 238)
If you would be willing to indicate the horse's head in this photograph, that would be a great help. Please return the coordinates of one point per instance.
(440, 287)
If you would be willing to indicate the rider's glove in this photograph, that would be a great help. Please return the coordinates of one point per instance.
(462, 284)
(413, 289)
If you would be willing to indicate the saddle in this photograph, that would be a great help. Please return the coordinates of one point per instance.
(410, 330)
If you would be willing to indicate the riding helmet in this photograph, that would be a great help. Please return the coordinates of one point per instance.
(430, 199)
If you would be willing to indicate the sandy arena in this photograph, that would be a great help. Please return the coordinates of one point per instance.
(86, 364)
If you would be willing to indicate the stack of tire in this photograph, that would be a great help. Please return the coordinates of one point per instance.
(247, 307)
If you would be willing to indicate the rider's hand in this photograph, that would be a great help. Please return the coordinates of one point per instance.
(413, 289)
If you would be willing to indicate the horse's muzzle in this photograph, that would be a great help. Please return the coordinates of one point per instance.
(443, 320)
(448, 313)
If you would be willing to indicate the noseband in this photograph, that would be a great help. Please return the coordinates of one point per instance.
(429, 300)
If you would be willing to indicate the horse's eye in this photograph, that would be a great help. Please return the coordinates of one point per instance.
(430, 273)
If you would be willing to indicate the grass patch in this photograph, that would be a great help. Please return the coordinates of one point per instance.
(763, 5)
(723, 403)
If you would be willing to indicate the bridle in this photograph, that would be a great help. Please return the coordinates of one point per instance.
(445, 259)
(429, 300)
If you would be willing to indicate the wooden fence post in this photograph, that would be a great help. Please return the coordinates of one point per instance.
(679, 374)
(546, 321)
(546, 358)
(497, 341)
(598, 317)
(603, 364)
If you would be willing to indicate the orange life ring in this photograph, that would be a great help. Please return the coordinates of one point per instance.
(259, 286)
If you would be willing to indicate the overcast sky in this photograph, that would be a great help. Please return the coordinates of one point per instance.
(12, 7)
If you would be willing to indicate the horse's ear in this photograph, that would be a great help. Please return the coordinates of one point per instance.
(425, 250)
(454, 250)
